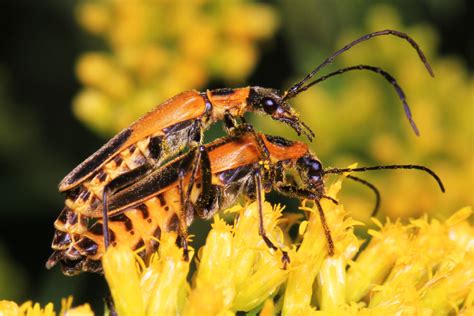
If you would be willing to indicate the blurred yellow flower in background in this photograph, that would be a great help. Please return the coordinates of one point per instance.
(156, 49)
(358, 117)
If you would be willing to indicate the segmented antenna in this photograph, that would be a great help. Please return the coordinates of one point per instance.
(422, 168)
(386, 75)
(295, 89)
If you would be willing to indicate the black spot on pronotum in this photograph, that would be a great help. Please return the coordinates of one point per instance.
(280, 141)
(222, 92)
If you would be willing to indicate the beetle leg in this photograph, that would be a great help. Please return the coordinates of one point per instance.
(183, 227)
(293, 191)
(233, 128)
(261, 229)
(210, 197)
(115, 185)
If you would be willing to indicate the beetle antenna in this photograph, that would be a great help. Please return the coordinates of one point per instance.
(386, 75)
(422, 168)
(373, 188)
(295, 89)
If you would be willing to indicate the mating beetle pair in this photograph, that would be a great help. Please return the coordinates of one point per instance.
(135, 160)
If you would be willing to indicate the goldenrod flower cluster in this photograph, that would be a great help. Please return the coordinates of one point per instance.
(156, 49)
(358, 117)
(8, 308)
(420, 268)
(423, 267)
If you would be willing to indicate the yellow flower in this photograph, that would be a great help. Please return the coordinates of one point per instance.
(8, 308)
(235, 271)
(358, 117)
(161, 48)
(423, 267)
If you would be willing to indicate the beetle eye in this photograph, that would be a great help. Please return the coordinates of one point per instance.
(314, 171)
(269, 105)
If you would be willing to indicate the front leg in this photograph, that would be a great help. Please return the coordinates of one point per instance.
(294, 191)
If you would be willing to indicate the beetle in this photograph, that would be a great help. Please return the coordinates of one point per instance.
(229, 168)
(179, 124)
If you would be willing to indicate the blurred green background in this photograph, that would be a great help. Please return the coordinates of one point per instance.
(74, 73)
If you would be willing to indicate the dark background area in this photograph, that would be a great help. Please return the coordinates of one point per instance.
(41, 140)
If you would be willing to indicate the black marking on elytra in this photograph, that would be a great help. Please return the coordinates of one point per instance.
(198, 185)
(280, 141)
(151, 184)
(61, 239)
(62, 218)
(91, 265)
(71, 266)
(123, 219)
(157, 233)
(87, 245)
(85, 195)
(97, 229)
(72, 218)
(143, 211)
(173, 224)
(161, 199)
(139, 160)
(97, 159)
(149, 220)
(84, 221)
(94, 203)
(74, 193)
(177, 127)
(155, 147)
(54, 258)
(139, 244)
(128, 178)
(234, 175)
(118, 160)
(111, 235)
(154, 242)
(222, 91)
(132, 148)
(72, 253)
(167, 208)
(101, 176)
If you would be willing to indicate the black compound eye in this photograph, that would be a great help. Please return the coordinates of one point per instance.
(315, 171)
(269, 105)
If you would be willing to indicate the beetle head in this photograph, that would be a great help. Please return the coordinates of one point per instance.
(272, 102)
